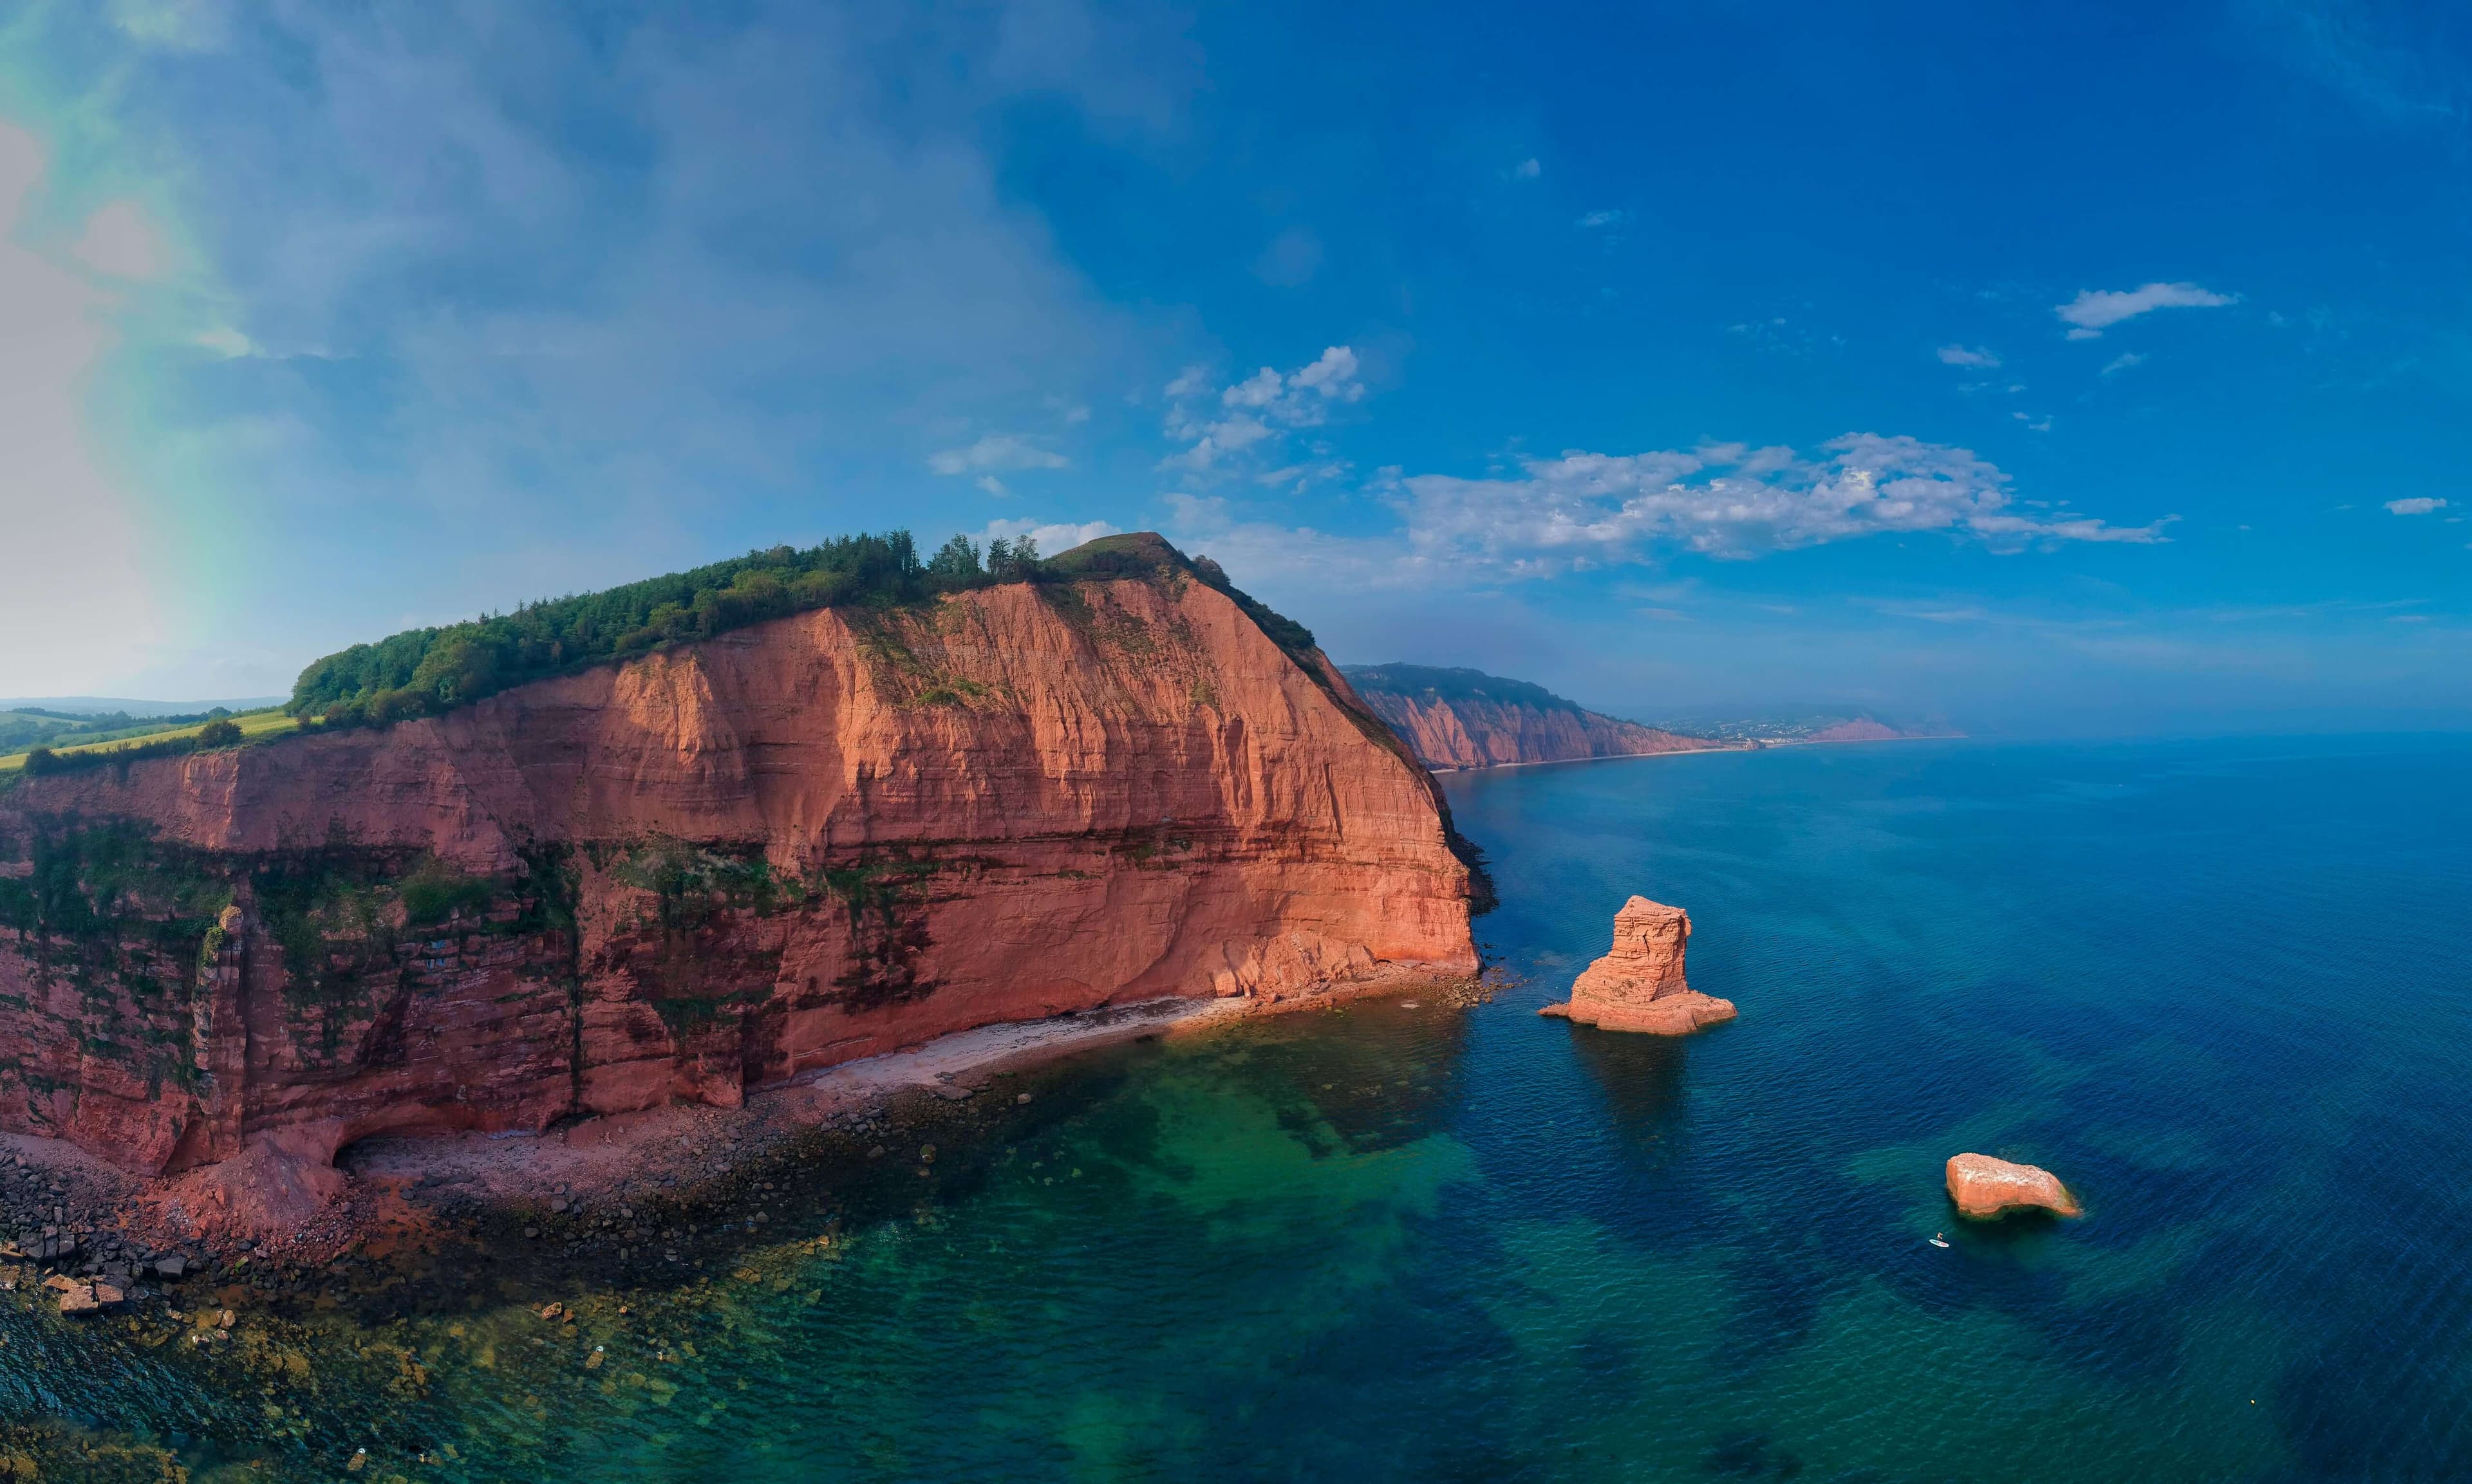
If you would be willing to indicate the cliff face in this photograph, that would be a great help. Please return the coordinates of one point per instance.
(815, 839)
(1455, 719)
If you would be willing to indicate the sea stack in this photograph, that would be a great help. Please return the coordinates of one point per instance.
(1984, 1188)
(1639, 985)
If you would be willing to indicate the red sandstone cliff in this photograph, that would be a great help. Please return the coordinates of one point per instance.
(1458, 718)
(815, 839)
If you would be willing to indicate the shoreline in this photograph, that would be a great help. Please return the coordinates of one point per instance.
(1611, 757)
(419, 1194)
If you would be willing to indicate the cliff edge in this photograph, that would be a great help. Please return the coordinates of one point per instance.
(710, 869)
(1463, 718)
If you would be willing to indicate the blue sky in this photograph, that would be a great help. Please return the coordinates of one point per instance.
(2103, 369)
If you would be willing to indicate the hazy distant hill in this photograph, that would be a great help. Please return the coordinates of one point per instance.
(104, 705)
(1455, 718)
(1823, 725)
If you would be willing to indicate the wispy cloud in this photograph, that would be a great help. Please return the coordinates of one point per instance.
(1583, 508)
(561, 260)
(1292, 258)
(1586, 510)
(2400, 64)
(2417, 505)
(1960, 355)
(997, 451)
(2096, 309)
(1526, 170)
(2122, 363)
(1598, 219)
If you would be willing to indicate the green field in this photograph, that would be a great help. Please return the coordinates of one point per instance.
(253, 724)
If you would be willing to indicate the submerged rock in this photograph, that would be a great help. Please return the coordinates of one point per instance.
(1984, 1187)
(1639, 985)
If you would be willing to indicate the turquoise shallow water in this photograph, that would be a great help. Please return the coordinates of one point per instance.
(2222, 987)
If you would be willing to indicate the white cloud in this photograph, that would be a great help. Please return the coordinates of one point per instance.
(1052, 536)
(119, 243)
(1597, 219)
(1527, 170)
(2417, 505)
(1260, 409)
(74, 591)
(1585, 509)
(992, 486)
(2096, 309)
(995, 451)
(1960, 355)
(2123, 363)
(1332, 377)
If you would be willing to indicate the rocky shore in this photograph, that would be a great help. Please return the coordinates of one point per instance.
(647, 893)
(672, 1194)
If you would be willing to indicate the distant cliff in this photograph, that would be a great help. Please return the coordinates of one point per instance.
(1455, 718)
(710, 869)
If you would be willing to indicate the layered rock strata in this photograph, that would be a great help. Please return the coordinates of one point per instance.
(1639, 985)
(704, 871)
(1984, 1187)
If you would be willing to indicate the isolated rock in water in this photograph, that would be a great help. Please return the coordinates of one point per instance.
(1984, 1187)
(1639, 985)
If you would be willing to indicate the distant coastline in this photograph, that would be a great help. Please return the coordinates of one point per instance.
(1682, 752)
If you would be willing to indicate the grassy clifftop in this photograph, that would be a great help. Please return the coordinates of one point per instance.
(422, 672)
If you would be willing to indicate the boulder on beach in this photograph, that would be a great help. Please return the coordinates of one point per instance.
(1984, 1187)
(1639, 985)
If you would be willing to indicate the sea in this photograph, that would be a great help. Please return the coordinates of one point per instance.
(2223, 988)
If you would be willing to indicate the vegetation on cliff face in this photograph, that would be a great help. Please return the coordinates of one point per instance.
(106, 906)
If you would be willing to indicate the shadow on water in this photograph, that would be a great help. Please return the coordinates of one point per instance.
(1641, 1078)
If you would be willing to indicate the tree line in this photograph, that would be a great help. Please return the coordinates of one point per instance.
(427, 670)
(217, 733)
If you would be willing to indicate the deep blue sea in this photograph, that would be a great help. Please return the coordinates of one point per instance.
(2223, 988)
